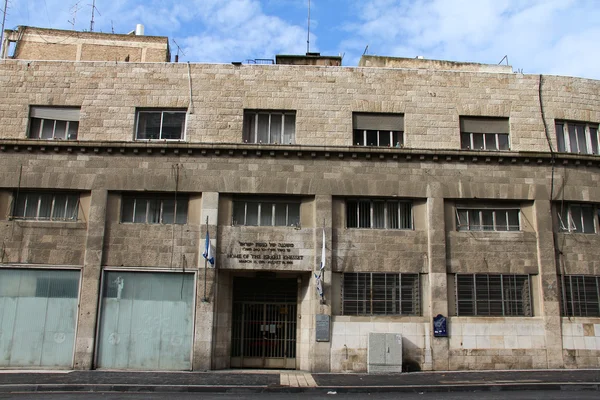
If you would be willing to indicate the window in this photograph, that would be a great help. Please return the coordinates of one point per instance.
(366, 293)
(160, 125)
(46, 206)
(481, 133)
(378, 130)
(581, 296)
(378, 214)
(53, 123)
(577, 137)
(487, 219)
(577, 218)
(493, 295)
(277, 127)
(154, 209)
(266, 213)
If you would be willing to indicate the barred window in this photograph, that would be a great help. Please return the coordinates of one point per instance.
(581, 296)
(276, 127)
(378, 214)
(46, 206)
(154, 209)
(487, 219)
(577, 218)
(493, 295)
(266, 213)
(366, 293)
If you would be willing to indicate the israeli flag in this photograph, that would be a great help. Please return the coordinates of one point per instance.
(208, 253)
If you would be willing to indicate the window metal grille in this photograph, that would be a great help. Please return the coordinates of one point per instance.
(493, 295)
(378, 214)
(577, 218)
(160, 125)
(276, 127)
(46, 206)
(577, 137)
(581, 296)
(366, 293)
(487, 219)
(266, 213)
(154, 209)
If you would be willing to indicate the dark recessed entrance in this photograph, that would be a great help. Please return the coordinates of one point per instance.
(264, 325)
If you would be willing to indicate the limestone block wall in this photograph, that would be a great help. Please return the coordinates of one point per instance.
(497, 343)
(580, 253)
(581, 342)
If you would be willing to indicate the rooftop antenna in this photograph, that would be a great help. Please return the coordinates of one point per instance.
(73, 10)
(366, 49)
(504, 58)
(178, 51)
(308, 34)
(94, 9)
(4, 11)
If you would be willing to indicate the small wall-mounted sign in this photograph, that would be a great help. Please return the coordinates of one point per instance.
(439, 326)
(322, 325)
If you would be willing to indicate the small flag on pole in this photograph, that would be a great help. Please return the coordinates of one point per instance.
(208, 253)
(323, 252)
(319, 276)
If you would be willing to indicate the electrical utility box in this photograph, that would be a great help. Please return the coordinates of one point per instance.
(384, 353)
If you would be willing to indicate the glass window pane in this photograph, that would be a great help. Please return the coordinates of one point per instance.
(60, 130)
(378, 214)
(168, 211)
(294, 214)
(59, 208)
(465, 140)
(560, 137)
(276, 127)
(474, 220)
(581, 139)
(281, 214)
(248, 134)
(392, 215)
(289, 129)
(263, 128)
(72, 206)
(358, 138)
(576, 218)
(587, 213)
(364, 214)
(478, 141)
(239, 213)
(503, 141)
(371, 138)
(47, 129)
(513, 220)
(463, 220)
(501, 220)
(351, 214)
(140, 211)
(490, 141)
(127, 209)
(384, 138)
(251, 214)
(45, 209)
(153, 211)
(72, 130)
(182, 210)
(594, 139)
(487, 220)
(406, 215)
(397, 139)
(148, 125)
(266, 214)
(173, 125)
(34, 128)
(573, 139)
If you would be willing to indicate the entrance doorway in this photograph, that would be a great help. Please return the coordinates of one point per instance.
(263, 333)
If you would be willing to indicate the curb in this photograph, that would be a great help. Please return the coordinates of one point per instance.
(133, 388)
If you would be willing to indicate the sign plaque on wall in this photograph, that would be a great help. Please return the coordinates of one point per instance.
(322, 327)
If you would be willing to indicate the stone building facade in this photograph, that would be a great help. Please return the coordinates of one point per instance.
(431, 188)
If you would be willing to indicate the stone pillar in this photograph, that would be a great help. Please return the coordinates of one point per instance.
(436, 357)
(90, 284)
(320, 352)
(549, 287)
(206, 295)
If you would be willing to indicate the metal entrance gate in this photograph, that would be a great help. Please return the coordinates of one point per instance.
(263, 334)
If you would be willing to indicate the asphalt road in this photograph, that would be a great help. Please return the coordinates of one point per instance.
(512, 395)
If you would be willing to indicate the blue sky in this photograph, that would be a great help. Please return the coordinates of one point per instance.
(560, 37)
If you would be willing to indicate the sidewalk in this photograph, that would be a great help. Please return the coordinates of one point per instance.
(240, 381)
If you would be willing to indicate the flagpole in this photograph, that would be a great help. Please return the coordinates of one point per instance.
(323, 264)
(205, 300)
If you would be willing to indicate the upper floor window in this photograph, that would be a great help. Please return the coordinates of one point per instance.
(577, 137)
(484, 133)
(46, 206)
(378, 214)
(581, 296)
(54, 123)
(160, 125)
(378, 130)
(493, 295)
(366, 293)
(266, 213)
(276, 127)
(577, 218)
(487, 219)
(154, 208)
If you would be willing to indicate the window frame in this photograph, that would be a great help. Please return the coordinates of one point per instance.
(71, 199)
(509, 306)
(571, 225)
(41, 116)
(368, 299)
(387, 219)
(566, 136)
(575, 306)
(250, 130)
(160, 198)
(162, 112)
(361, 128)
(480, 210)
(471, 127)
(260, 203)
